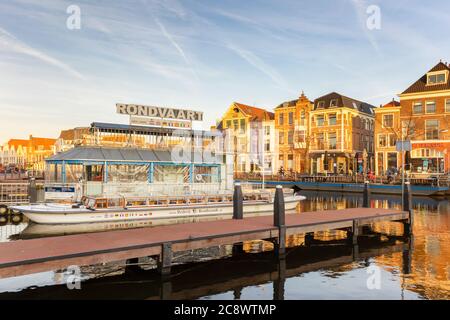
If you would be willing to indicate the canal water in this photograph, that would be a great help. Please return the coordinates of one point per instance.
(384, 265)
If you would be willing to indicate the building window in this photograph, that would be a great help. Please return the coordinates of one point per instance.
(291, 118)
(332, 140)
(236, 125)
(333, 103)
(320, 120)
(382, 140)
(432, 129)
(430, 107)
(388, 121)
(417, 108)
(332, 119)
(392, 161)
(301, 136)
(290, 137)
(392, 140)
(320, 141)
(447, 105)
(267, 146)
(436, 78)
(243, 126)
(408, 129)
(320, 104)
(281, 119)
(228, 123)
(290, 161)
(380, 164)
(281, 137)
(267, 130)
(302, 118)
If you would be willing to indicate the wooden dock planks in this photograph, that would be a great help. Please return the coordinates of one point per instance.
(45, 254)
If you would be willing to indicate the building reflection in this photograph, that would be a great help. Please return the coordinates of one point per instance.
(423, 270)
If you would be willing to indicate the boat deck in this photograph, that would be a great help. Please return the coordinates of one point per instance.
(45, 254)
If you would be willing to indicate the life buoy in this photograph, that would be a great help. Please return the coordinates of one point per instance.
(3, 209)
(16, 219)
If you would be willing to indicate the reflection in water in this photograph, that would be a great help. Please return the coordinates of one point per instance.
(313, 270)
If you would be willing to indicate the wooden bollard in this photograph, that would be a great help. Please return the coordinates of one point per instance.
(165, 259)
(238, 202)
(279, 220)
(279, 208)
(407, 196)
(407, 206)
(366, 195)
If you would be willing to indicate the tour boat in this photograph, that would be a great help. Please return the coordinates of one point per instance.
(152, 207)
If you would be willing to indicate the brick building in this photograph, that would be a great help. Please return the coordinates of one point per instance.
(387, 132)
(342, 133)
(425, 117)
(292, 122)
(250, 136)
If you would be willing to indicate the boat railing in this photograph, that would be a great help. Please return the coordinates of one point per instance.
(104, 202)
(159, 188)
(14, 193)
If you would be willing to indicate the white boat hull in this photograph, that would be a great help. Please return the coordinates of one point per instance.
(64, 214)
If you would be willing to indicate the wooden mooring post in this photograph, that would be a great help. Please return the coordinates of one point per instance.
(238, 202)
(408, 207)
(279, 220)
(366, 195)
(165, 259)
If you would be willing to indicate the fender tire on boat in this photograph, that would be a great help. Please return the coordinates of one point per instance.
(3, 209)
(16, 219)
(15, 211)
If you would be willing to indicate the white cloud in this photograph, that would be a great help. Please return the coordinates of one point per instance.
(259, 64)
(10, 43)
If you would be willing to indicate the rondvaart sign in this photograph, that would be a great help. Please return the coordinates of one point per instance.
(159, 112)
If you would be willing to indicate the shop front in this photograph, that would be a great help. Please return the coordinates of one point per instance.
(330, 163)
(429, 158)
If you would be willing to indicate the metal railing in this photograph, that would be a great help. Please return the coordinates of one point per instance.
(14, 193)
(438, 181)
(159, 189)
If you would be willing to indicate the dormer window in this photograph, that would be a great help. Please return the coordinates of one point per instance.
(333, 103)
(436, 78)
(320, 104)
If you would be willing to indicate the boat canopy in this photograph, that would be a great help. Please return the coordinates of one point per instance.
(129, 154)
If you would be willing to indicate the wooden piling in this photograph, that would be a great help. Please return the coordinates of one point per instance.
(366, 195)
(309, 238)
(165, 259)
(238, 202)
(279, 282)
(407, 206)
(279, 220)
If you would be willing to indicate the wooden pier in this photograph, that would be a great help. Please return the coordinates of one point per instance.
(45, 254)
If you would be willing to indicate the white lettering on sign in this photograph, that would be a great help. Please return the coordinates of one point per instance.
(158, 112)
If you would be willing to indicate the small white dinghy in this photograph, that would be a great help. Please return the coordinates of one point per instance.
(103, 209)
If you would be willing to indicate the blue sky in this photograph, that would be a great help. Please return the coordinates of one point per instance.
(204, 55)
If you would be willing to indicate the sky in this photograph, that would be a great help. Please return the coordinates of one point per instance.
(203, 55)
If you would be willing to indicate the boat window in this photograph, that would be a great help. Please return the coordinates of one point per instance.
(128, 173)
(90, 203)
(94, 173)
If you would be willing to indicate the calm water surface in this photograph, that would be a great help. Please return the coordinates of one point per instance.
(416, 268)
